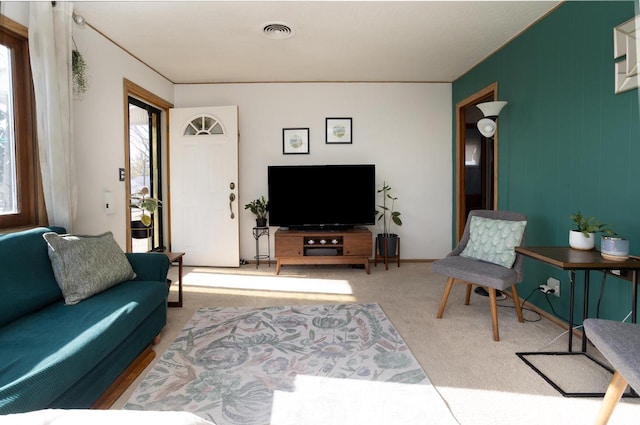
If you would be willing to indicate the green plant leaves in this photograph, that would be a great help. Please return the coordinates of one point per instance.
(387, 214)
(259, 207)
(79, 72)
(588, 225)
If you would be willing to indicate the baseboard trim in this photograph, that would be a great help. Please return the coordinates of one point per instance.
(402, 260)
(120, 385)
(550, 317)
(564, 325)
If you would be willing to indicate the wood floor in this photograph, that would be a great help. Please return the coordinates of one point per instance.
(120, 385)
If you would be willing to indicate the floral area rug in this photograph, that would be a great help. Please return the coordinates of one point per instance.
(227, 364)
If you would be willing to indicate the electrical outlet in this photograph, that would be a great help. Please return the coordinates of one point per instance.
(555, 285)
(545, 289)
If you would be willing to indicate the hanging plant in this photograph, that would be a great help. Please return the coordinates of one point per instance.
(79, 69)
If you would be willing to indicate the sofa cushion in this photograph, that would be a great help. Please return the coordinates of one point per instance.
(494, 240)
(87, 265)
(27, 283)
(72, 340)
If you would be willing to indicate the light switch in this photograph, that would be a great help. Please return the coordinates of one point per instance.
(108, 203)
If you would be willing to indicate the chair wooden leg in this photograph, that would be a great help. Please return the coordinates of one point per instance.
(494, 312)
(445, 297)
(516, 303)
(467, 298)
(616, 387)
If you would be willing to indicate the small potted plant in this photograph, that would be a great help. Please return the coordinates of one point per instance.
(259, 207)
(140, 228)
(583, 236)
(388, 215)
(79, 73)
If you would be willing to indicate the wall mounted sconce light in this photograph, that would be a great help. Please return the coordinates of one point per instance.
(490, 110)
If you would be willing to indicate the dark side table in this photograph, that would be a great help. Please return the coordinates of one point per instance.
(566, 258)
(176, 257)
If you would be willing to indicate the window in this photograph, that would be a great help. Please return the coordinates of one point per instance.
(156, 117)
(203, 125)
(8, 193)
(18, 193)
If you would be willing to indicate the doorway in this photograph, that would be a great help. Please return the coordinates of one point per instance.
(476, 160)
(146, 164)
(145, 172)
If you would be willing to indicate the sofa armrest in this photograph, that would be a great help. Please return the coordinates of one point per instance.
(149, 265)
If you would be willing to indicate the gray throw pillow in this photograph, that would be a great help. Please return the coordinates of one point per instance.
(86, 265)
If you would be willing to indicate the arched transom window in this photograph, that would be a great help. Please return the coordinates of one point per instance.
(203, 125)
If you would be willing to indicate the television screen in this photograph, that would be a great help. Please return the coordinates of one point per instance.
(321, 195)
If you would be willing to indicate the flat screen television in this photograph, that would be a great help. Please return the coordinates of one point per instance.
(322, 196)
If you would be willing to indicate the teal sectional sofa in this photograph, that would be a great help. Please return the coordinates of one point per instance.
(54, 355)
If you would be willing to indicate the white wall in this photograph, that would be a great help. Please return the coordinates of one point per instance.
(404, 129)
(99, 130)
(16, 10)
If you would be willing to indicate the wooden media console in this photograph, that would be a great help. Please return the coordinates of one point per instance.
(352, 246)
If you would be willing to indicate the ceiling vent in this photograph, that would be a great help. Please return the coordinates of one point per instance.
(277, 31)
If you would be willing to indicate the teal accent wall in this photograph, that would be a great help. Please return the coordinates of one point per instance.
(567, 142)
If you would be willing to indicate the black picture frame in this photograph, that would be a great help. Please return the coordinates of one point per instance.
(295, 141)
(338, 131)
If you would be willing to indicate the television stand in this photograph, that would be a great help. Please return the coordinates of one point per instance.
(314, 247)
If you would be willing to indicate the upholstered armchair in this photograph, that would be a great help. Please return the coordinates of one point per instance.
(485, 256)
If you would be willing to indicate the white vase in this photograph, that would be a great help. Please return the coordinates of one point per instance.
(578, 240)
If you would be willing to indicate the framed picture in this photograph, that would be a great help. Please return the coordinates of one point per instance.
(295, 141)
(338, 130)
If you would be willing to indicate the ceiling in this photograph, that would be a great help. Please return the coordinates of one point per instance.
(223, 41)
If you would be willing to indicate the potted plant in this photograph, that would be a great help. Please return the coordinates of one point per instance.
(141, 228)
(79, 73)
(614, 247)
(259, 207)
(388, 215)
(583, 236)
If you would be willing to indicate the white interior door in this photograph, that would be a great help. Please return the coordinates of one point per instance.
(204, 185)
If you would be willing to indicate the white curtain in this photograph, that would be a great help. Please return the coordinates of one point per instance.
(50, 46)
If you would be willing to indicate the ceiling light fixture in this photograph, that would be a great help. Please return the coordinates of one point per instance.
(277, 30)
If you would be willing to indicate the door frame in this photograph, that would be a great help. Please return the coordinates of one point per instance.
(488, 93)
(132, 89)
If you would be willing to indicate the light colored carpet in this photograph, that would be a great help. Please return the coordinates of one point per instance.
(327, 362)
(586, 376)
(482, 381)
